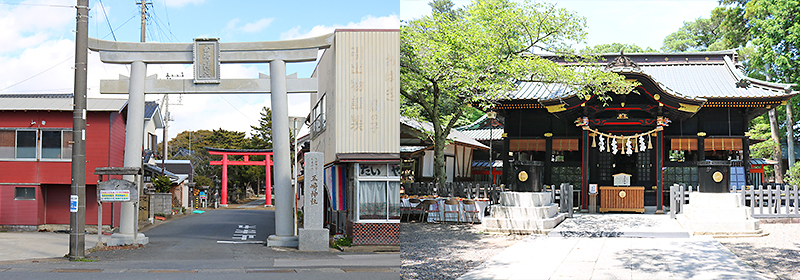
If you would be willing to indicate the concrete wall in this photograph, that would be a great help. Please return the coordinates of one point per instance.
(161, 203)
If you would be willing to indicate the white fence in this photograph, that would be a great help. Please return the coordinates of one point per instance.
(770, 201)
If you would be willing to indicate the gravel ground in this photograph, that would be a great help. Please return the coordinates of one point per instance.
(447, 251)
(776, 256)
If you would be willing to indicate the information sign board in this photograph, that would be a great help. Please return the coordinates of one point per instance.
(115, 195)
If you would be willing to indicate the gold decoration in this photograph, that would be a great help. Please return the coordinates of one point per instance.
(688, 108)
(556, 108)
(656, 96)
(523, 176)
(717, 176)
(622, 194)
(649, 141)
(548, 134)
(594, 137)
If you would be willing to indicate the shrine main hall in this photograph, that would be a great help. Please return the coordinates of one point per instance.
(686, 123)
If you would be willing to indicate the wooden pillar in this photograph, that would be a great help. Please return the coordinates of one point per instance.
(585, 169)
(660, 171)
(548, 161)
(506, 162)
(224, 193)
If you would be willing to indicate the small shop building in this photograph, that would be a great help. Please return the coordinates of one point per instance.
(686, 123)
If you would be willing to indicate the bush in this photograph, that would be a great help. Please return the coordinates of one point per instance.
(793, 175)
(162, 184)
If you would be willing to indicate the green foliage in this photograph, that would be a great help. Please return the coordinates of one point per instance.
(775, 26)
(343, 242)
(615, 48)
(262, 134)
(793, 175)
(162, 183)
(726, 28)
(475, 55)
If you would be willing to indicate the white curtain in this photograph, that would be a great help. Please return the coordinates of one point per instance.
(372, 200)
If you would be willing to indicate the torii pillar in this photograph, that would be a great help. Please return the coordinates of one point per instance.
(206, 55)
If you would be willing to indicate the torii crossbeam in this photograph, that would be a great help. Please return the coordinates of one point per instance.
(246, 153)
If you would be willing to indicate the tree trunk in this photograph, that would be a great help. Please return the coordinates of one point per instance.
(439, 166)
(773, 124)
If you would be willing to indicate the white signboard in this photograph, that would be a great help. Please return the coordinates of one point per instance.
(593, 188)
(115, 195)
(73, 203)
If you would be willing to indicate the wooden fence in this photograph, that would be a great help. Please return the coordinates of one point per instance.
(770, 201)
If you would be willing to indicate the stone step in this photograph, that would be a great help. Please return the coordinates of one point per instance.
(512, 212)
(525, 199)
(522, 226)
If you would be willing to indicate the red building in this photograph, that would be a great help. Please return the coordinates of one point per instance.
(35, 157)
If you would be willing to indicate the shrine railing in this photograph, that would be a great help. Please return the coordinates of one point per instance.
(764, 201)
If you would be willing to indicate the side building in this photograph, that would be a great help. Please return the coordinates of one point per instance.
(36, 157)
(354, 122)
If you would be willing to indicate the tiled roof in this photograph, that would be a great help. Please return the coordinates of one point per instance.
(454, 135)
(484, 134)
(55, 102)
(485, 163)
(149, 109)
(685, 75)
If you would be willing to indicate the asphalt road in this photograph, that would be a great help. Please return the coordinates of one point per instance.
(210, 246)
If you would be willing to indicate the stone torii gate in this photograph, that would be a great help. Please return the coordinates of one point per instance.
(246, 153)
(206, 56)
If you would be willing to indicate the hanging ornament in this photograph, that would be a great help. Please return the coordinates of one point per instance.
(628, 147)
(642, 146)
(614, 148)
(649, 141)
(594, 137)
(602, 144)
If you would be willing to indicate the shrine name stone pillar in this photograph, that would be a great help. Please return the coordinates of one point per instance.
(284, 206)
(133, 156)
(313, 237)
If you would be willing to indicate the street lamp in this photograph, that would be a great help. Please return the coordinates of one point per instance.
(491, 115)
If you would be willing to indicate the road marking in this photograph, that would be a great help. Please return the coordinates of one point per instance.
(243, 233)
(270, 270)
(239, 242)
(172, 271)
(79, 270)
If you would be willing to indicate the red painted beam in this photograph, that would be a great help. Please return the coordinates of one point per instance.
(240, 153)
(230, 162)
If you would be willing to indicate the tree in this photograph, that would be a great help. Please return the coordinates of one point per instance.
(262, 134)
(615, 48)
(455, 58)
(726, 28)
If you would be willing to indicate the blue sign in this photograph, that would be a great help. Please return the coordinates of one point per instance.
(73, 203)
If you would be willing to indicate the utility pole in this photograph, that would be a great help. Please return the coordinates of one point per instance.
(144, 4)
(77, 217)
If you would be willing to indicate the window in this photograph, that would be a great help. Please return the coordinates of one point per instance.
(26, 143)
(378, 191)
(35, 144)
(25, 193)
(644, 165)
(318, 117)
(566, 174)
(7, 143)
(737, 177)
(680, 175)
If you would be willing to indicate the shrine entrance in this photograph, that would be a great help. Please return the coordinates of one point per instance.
(267, 162)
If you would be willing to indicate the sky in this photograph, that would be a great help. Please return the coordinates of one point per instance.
(38, 49)
(641, 22)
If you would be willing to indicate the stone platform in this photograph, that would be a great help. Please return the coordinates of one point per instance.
(620, 225)
(523, 213)
(719, 215)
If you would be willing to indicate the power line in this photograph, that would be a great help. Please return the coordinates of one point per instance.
(103, 7)
(34, 76)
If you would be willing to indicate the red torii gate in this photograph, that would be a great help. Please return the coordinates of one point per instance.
(246, 153)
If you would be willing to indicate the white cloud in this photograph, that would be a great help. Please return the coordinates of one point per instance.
(25, 26)
(258, 25)
(46, 68)
(250, 27)
(367, 22)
